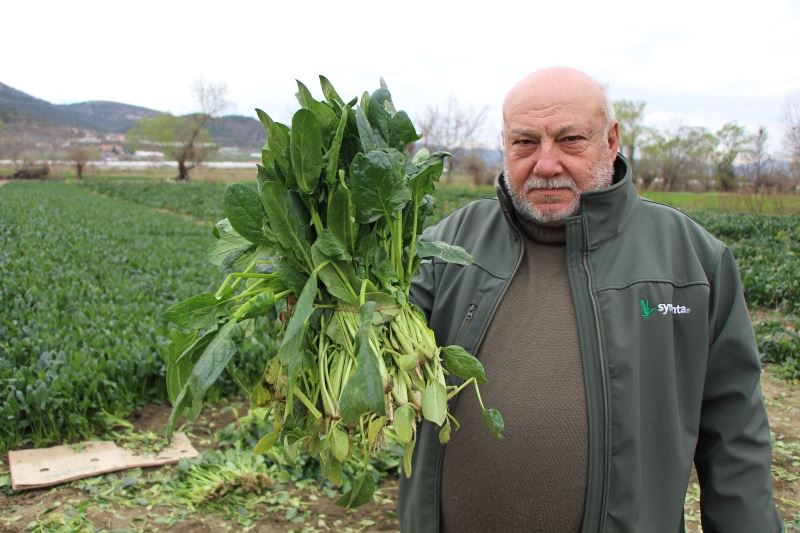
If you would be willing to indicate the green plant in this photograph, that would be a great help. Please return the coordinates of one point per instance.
(330, 239)
(84, 280)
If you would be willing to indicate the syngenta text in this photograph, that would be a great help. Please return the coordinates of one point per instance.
(664, 309)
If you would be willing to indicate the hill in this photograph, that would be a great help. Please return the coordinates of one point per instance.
(103, 117)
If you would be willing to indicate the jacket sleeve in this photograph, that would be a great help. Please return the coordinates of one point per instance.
(733, 449)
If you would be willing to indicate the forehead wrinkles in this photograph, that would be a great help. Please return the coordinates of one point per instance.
(551, 118)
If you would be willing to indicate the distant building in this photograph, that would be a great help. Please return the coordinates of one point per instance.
(149, 155)
(111, 148)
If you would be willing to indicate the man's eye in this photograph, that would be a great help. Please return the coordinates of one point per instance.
(573, 138)
(524, 141)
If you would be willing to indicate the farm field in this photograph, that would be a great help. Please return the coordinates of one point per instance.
(86, 270)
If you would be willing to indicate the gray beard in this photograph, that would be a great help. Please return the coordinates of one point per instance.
(603, 172)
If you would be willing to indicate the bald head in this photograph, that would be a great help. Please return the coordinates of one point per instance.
(560, 140)
(555, 87)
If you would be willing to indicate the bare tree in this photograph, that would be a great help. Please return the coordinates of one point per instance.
(453, 128)
(184, 138)
(80, 155)
(791, 139)
(759, 162)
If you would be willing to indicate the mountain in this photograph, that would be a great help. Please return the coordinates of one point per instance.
(237, 130)
(17, 107)
(109, 117)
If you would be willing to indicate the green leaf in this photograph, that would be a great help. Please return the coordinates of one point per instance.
(290, 352)
(228, 240)
(213, 360)
(429, 171)
(378, 185)
(463, 364)
(494, 421)
(290, 231)
(306, 150)
(330, 93)
(244, 211)
(331, 468)
(266, 170)
(401, 131)
(386, 307)
(178, 373)
(377, 113)
(340, 445)
(408, 456)
(293, 274)
(325, 115)
(215, 357)
(361, 493)
(434, 403)
(333, 154)
(444, 433)
(278, 144)
(341, 217)
(404, 417)
(331, 279)
(374, 428)
(363, 392)
(368, 140)
(267, 442)
(441, 250)
(329, 244)
(198, 312)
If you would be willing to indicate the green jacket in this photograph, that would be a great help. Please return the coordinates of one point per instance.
(670, 362)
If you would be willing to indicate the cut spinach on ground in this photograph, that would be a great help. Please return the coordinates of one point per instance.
(328, 247)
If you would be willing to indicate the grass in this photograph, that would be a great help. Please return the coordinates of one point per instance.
(775, 204)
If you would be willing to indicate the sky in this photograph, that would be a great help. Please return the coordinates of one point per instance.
(694, 62)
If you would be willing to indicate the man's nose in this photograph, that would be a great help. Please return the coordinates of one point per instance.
(548, 164)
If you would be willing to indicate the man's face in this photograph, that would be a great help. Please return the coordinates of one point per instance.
(553, 153)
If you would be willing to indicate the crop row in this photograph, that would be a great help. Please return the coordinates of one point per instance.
(201, 200)
(84, 282)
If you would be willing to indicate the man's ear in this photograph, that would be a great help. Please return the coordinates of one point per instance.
(613, 139)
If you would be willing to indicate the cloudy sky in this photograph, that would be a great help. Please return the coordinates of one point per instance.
(695, 62)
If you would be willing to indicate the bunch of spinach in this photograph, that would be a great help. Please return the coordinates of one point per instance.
(328, 245)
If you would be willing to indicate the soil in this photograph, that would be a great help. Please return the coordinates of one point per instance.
(73, 507)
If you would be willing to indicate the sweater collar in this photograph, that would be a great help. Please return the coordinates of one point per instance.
(604, 213)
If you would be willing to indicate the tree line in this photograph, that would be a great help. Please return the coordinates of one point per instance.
(696, 158)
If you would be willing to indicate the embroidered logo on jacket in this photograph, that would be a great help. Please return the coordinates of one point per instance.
(664, 309)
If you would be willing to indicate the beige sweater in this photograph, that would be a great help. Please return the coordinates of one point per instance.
(534, 479)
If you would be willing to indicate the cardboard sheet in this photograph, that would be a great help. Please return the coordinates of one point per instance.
(45, 467)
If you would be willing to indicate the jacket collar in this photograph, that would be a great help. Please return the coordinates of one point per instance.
(604, 213)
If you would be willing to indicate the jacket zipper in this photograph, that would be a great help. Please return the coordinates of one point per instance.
(603, 381)
(467, 317)
(470, 312)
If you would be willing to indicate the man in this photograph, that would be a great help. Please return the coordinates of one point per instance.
(616, 341)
